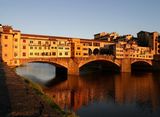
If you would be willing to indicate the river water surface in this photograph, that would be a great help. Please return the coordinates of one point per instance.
(99, 94)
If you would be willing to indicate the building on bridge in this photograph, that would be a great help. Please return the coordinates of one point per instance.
(149, 39)
(16, 46)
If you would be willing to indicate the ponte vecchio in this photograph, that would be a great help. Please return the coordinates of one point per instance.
(73, 53)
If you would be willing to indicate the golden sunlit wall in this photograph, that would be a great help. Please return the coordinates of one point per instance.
(7, 43)
(16, 47)
(63, 48)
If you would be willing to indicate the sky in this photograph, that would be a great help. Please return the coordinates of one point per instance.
(81, 18)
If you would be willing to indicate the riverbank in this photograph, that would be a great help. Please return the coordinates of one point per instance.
(18, 99)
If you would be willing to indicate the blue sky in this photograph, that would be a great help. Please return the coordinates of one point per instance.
(81, 18)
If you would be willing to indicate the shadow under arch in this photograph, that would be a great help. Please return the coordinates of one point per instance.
(97, 66)
(59, 69)
(141, 66)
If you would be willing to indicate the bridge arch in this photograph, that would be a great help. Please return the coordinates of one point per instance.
(106, 62)
(144, 65)
(61, 65)
(53, 62)
(149, 62)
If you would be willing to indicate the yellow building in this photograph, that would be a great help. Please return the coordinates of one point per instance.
(132, 50)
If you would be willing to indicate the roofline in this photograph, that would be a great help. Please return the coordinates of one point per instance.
(49, 36)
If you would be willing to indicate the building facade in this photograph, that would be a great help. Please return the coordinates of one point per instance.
(16, 45)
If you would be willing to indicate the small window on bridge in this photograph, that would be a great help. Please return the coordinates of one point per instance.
(24, 47)
(24, 41)
(39, 42)
(85, 54)
(6, 37)
(16, 40)
(23, 54)
(78, 48)
(53, 53)
(60, 54)
(15, 54)
(60, 48)
(66, 53)
(15, 62)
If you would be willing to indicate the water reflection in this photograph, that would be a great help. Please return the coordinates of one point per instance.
(125, 94)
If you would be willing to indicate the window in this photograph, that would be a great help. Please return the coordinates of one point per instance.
(15, 62)
(85, 48)
(15, 47)
(46, 42)
(37, 54)
(46, 53)
(39, 42)
(31, 53)
(78, 48)
(24, 47)
(43, 54)
(16, 40)
(31, 41)
(66, 53)
(5, 55)
(67, 48)
(23, 54)
(6, 37)
(24, 41)
(54, 42)
(96, 44)
(40, 48)
(60, 53)
(31, 47)
(60, 48)
(35, 47)
(53, 53)
(15, 54)
(5, 45)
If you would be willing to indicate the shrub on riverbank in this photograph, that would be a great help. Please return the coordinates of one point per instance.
(38, 90)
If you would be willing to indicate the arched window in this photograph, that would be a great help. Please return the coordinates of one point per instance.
(89, 51)
(96, 51)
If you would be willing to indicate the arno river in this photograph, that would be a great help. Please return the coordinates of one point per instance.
(100, 95)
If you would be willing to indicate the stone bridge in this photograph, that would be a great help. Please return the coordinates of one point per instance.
(73, 65)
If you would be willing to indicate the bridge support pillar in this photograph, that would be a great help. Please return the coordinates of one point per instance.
(126, 65)
(73, 68)
(156, 63)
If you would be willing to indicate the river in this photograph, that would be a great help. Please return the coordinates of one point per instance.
(99, 94)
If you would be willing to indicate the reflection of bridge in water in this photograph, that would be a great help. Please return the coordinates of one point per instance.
(73, 65)
(125, 88)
